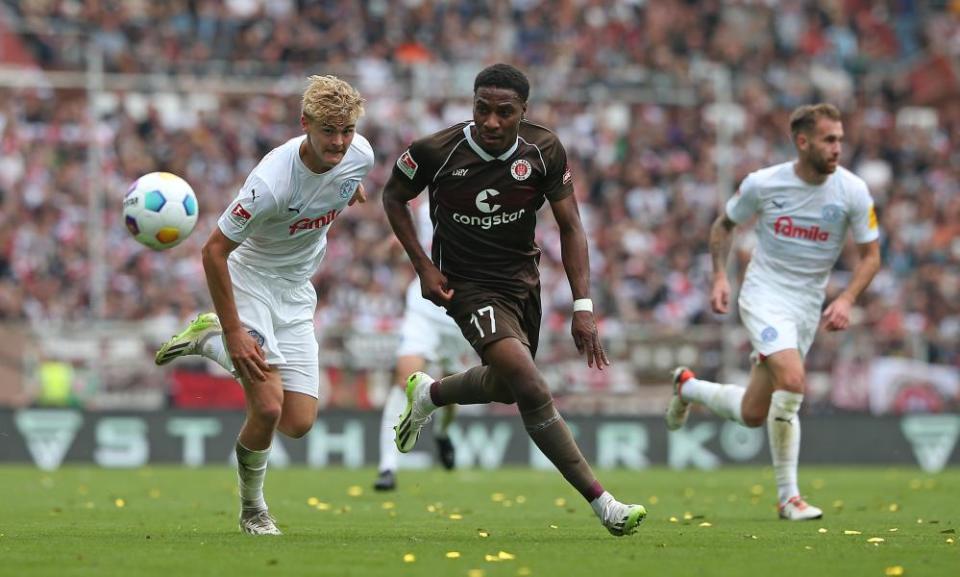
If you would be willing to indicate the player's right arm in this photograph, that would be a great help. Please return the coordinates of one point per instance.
(741, 206)
(403, 186)
(247, 356)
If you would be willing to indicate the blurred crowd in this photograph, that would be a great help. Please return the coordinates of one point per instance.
(645, 167)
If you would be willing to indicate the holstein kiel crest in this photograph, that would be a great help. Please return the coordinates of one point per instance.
(520, 169)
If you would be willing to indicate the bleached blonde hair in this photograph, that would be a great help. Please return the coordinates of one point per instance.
(330, 99)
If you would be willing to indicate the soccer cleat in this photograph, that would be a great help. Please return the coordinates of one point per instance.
(386, 481)
(446, 453)
(796, 509)
(189, 341)
(621, 519)
(416, 413)
(678, 410)
(258, 522)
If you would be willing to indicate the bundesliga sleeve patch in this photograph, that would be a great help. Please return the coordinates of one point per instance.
(407, 165)
(567, 175)
(872, 219)
(239, 216)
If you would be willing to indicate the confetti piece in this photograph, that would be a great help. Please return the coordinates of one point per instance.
(808, 547)
(507, 503)
(355, 490)
(687, 516)
(849, 532)
(894, 571)
(483, 534)
(491, 558)
(520, 499)
(754, 537)
(553, 527)
(560, 502)
(321, 506)
(120, 503)
(893, 508)
(431, 509)
(453, 554)
(523, 572)
(949, 540)
(822, 530)
(838, 504)
(506, 556)
(409, 558)
(892, 530)
(674, 520)
(312, 501)
(756, 490)
(497, 497)
(705, 524)
(653, 500)
(456, 516)
(875, 540)
(475, 573)
(388, 505)
(920, 521)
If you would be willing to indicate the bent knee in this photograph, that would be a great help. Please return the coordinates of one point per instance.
(267, 412)
(296, 430)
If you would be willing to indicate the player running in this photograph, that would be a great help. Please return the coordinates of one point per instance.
(258, 263)
(804, 209)
(485, 180)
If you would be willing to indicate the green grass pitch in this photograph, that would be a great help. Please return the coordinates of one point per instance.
(473, 523)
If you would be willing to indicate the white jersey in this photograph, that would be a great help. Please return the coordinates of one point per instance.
(801, 228)
(282, 213)
(415, 302)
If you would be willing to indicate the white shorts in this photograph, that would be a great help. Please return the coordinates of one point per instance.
(428, 332)
(777, 324)
(279, 315)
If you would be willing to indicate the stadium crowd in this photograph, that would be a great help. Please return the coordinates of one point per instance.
(645, 168)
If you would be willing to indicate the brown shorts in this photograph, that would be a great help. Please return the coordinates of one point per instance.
(487, 314)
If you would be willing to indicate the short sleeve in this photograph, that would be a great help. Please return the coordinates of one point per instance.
(415, 167)
(253, 204)
(558, 181)
(745, 203)
(863, 217)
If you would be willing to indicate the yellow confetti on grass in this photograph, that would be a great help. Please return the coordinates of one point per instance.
(894, 571)
(355, 490)
(949, 540)
(483, 534)
(674, 520)
(456, 516)
(453, 554)
(705, 524)
(892, 530)
(850, 532)
(520, 499)
(409, 558)
(553, 527)
(506, 556)
(756, 490)
(475, 573)
(321, 506)
(822, 530)
(388, 505)
(491, 558)
(893, 508)
(312, 501)
(875, 540)
(120, 503)
(560, 502)
(653, 499)
(687, 516)
(523, 572)
(497, 497)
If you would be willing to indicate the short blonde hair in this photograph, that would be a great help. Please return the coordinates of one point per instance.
(804, 118)
(330, 99)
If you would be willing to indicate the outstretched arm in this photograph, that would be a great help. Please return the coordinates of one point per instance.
(837, 315)
(573, 251)
(721, 238)
(433, 284)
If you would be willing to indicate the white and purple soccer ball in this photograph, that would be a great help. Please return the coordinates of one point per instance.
(160, 210)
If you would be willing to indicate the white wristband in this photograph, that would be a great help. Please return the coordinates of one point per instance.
(583, 305)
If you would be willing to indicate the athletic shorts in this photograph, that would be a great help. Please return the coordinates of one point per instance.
(775, 323)
(486, 315)
(429, 333)
(279, 315)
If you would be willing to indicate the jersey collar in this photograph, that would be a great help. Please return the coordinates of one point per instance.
(483, 153)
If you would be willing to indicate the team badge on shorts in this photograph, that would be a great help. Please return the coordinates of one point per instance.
(256, 336)
(832, 213)
(769, 335)
(347, 188)
(520, 169)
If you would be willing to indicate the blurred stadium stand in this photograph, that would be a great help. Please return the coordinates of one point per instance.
(663, 107)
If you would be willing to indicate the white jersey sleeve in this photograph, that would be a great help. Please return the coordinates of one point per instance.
(863, 217)
(745, 203)
(253, 205)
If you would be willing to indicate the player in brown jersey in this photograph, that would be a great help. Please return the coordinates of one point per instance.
(485, 180)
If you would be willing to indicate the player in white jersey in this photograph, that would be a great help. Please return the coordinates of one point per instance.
(427, 335)
(804, 210)
(258, 264)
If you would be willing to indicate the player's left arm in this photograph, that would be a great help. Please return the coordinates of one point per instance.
(837, 316)
(573, 251)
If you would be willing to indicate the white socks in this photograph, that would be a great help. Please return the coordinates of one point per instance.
(251, 469)
(213, 348)
(783, 431)
(601, 503)
(724, 400)
(392, 407)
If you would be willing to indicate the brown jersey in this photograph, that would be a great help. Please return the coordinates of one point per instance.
(484, 208)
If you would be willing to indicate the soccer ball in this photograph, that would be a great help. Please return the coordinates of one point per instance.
(160, 210)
